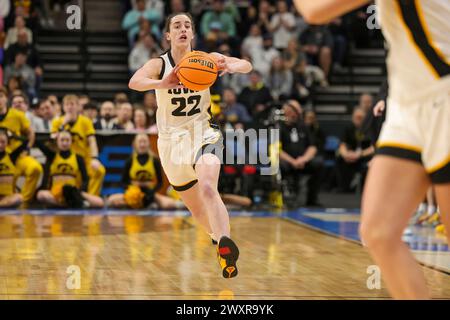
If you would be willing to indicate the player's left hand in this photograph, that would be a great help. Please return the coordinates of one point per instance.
(222, 64)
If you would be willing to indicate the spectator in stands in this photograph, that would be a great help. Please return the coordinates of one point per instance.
(120, 98)
(20, 69)
(282, 25)
(355, 151)
(293, 56)
(300, 24)
(256, 97)
(253, 40)
(107, 120)
(20, 102)
(155, 5)
(125, 116)
(264, 14)
(145, 49)
(262, 57)
(150, 106)
(176, 6)
(145, 27)
(365, 102)
(298, 152)
(279, 80)
(47, 113)
(14, 84)
(218, 19)
(56, 105)
(90, 110)
(236, 81)
(234, 111)
(27, 10)
(339, 34)
(84, 142)
(16, 122)
(45, 13)
(305, 76)
(33, 59)
(83, 100)
(133, 18)
(375, 118)
(316, 132)
(13, 33)
(317, 43)
(140, 120)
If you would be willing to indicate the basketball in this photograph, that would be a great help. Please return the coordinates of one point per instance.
(198, 71)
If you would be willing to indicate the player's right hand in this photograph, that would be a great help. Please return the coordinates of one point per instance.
(171, 81)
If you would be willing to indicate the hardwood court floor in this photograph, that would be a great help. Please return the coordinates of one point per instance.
(144, 257)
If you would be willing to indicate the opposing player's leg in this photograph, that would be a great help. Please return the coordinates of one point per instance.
(207, 168)
(393, 189)
(11, 201)
(442, 192)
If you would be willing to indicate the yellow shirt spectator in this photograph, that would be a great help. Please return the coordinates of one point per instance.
(17, 124)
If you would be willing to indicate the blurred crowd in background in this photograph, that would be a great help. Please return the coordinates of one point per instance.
(290, 59)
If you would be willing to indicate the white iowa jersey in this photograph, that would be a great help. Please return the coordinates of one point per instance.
(418, 35)
(180, 108)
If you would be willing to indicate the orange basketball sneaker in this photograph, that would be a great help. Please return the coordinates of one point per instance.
(228, 254)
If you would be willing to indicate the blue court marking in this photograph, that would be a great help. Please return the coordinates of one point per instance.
(343, 223)
(345, 229)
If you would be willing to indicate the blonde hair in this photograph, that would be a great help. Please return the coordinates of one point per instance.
(71, 97)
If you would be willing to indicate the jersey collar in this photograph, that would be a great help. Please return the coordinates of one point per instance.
(169, 55)
(172, 62)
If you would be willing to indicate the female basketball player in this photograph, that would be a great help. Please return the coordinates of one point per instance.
(8, 196)
(181, 115)
(413, 149)
(142, 173)
(65, 176)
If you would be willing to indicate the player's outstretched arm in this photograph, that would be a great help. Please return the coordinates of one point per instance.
(323, 11)
(231, 65)
(147, 77)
